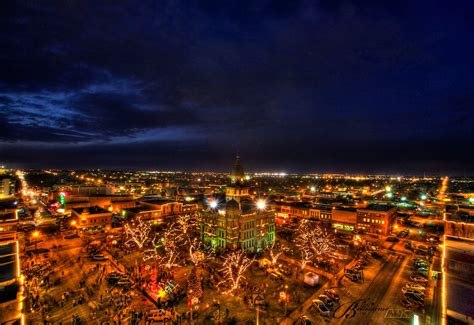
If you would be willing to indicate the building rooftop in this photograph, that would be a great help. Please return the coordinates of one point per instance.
(378, 207)
(348, 209)
(90, 210)
(157, 201)
(139, 209)
(322, 207)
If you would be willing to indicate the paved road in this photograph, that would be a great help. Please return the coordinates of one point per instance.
(376, 291)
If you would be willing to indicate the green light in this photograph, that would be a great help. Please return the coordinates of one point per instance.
(62, 199)
(420, 232)
(471, 200)
(404, 198)
(416, 320)
(389, 195)
(423, 197)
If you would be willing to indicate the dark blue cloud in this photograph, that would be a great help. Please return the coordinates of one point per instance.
(291, 84)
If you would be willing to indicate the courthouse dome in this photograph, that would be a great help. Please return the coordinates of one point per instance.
(232, 206)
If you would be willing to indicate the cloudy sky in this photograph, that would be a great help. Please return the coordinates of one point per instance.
(297, 86)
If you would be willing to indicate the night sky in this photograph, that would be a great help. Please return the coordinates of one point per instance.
(296, 86)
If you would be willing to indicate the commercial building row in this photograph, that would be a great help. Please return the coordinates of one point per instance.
(373, 218)
(86, 214)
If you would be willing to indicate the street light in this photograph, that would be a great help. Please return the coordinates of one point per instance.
(35, 235)
(261, 204)
(190, 292)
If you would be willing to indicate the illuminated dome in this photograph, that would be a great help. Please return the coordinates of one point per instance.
(232, 206)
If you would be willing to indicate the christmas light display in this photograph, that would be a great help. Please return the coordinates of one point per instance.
(171, 242)
(194, 287)
(188, 224)
(233, 269)
(274, 252)
(138, 232)
(313, 242)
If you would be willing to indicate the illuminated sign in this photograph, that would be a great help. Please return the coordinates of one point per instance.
(343, 227)
(62, 199)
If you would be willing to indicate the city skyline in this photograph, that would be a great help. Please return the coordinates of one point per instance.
(264, 162)
(328, 87)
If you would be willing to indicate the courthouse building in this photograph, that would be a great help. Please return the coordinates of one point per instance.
(239, 222)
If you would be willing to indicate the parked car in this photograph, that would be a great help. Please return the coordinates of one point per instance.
(415, 297)
(321, 307)
(420, 273)
(353, 270)
(418, 279)
(432, 239)
(422, 269)
(423, 249)
(351, 276)
(392, 239)
(421, 261)
(124, 283)
(159, 315)
(326, 300)
(410, 303)
(99, 257)
(418, 265)
(331, 293)
(403, 234)
(420, 291)
(413, 285)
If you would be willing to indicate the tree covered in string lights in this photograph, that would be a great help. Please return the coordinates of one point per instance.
(138, 232)
(275, 251)
(180, 239)
(188, 224)
(313, 242)
(233, 270)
